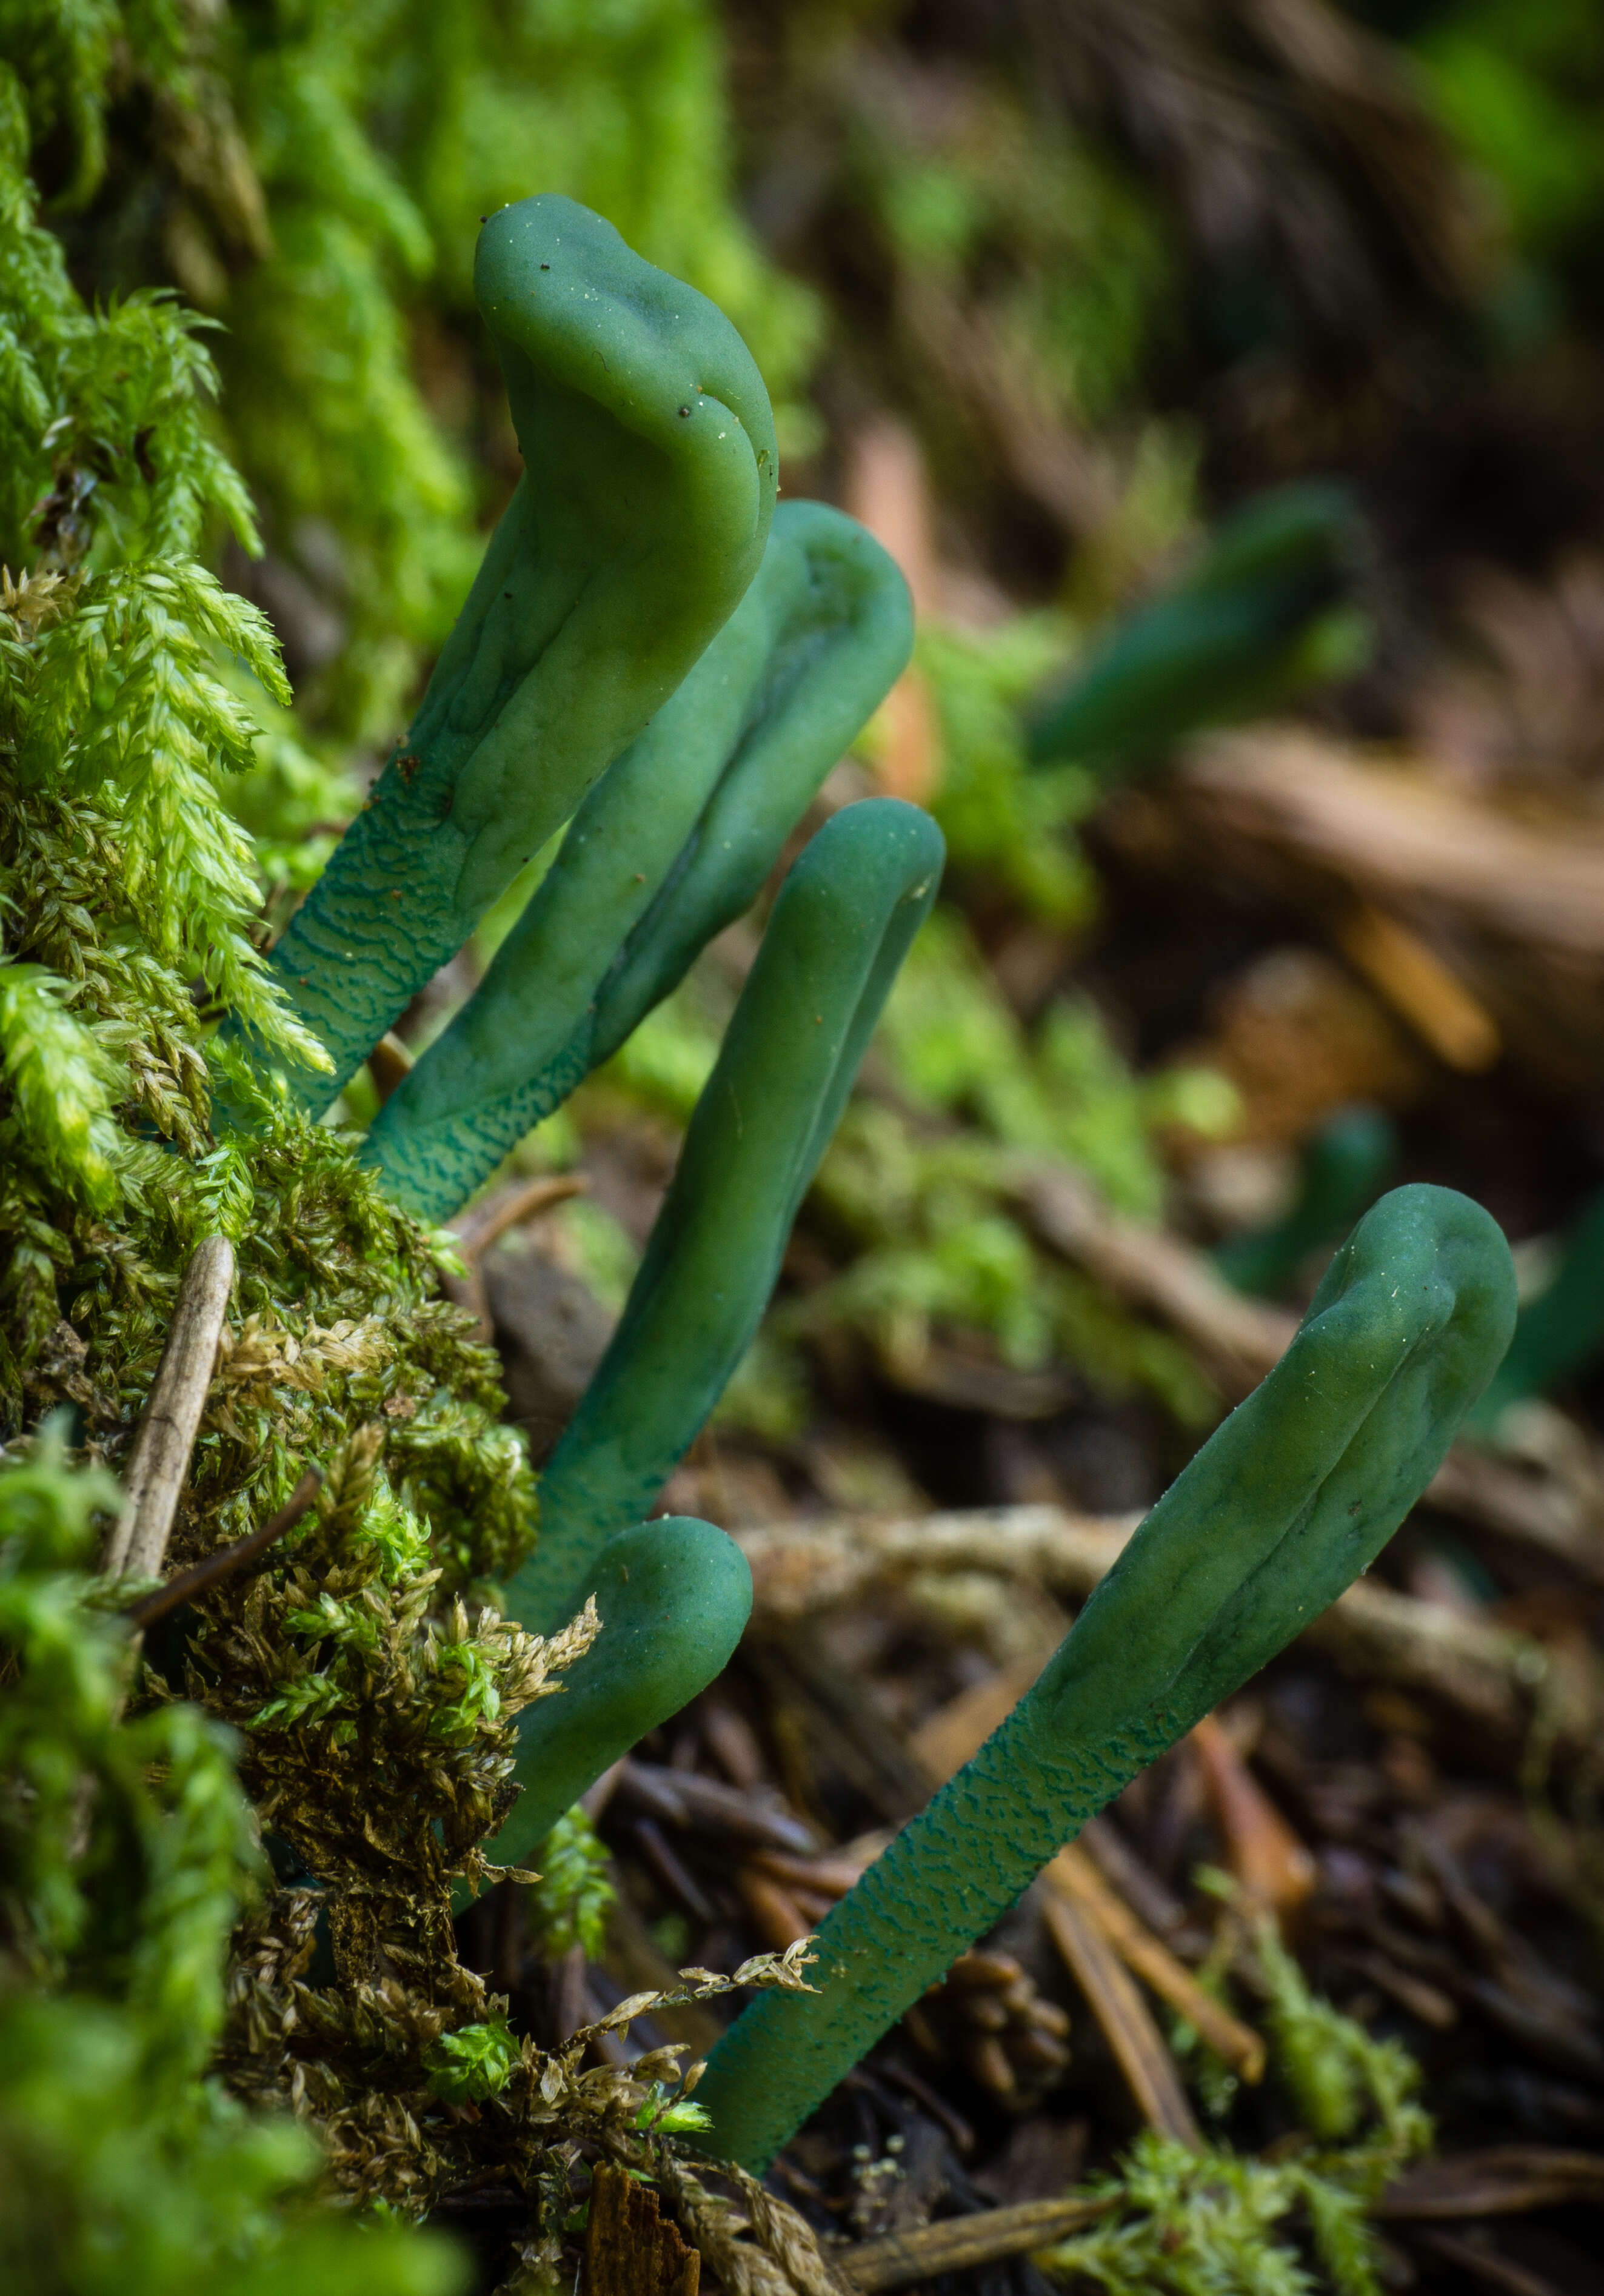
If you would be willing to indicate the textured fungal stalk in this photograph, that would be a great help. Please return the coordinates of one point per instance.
(641, 518)
(842, 924)
(671, 844)
(1281, 1509)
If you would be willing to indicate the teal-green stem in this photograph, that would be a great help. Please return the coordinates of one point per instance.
(673, 1597)
(642, 516)
(1344, 1167)
(841, 926)
(673, 841)
(1284, 1505)
(1252, 623)
(1562, 1332)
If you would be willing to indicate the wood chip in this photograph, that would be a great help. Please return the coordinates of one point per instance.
(629, 2250)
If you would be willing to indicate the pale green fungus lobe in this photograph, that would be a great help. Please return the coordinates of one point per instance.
(673, 1597)
(1561, 1333)
(1342, 1169)
(640, 520)
(670, 846)
(841, 927)
(1263, 613)
(1281, 1509)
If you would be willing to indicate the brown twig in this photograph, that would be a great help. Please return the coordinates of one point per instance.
(228, 1559)
(1274, 1870)
(898, 2259)
(501, 1214)
(485, 1223)
(159, 1461)
(1125, 2017)
(1072, 1874)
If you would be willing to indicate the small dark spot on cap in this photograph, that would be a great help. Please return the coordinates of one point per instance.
(545, 266)
(684, 410)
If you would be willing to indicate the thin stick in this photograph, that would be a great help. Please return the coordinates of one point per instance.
(159, 1462)
(227, 1559)
(535, 1196)
(1073, 1875)
(898, 2259)
(1126, 2021)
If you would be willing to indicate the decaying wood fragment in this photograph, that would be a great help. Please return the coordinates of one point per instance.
(629, 2250)
(157, 1464)
(901, 2259)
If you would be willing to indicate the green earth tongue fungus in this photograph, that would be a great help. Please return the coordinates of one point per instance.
(1263, 613)
(640, 520)
(674, 1596)
(1282, 1508)
(841, 927)
(672, 844)
(1562, 1331)
(1341, 1170)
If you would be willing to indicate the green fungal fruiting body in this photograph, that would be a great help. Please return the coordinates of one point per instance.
(640, 520)
(573, 686)
(1281, 1509)
(1342, 1170)
(671, 845)
(674, 1596)
(1561, 1330)
(841, 927)
(1262, 615)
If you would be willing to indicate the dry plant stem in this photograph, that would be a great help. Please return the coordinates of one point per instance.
(1300, 799)
(1274, 1870)
(1239, 1339)
(159, 1462)
(487, 1223)
(1126, 2022)
(783, 2257)
(490, 1221)
(1487, 1675)
(901, 2259)
(1073, 1876)
(228, 1559)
